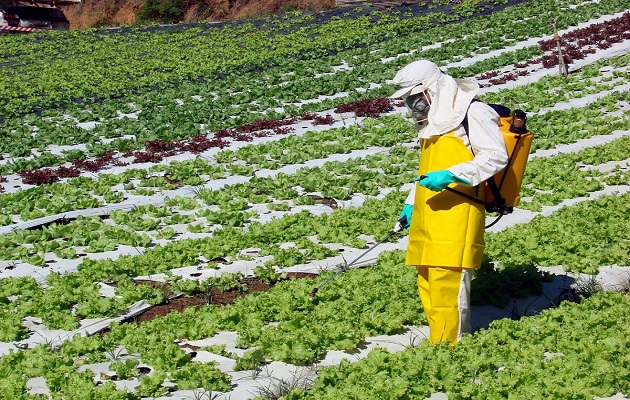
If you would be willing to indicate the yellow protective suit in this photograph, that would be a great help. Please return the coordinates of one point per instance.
(446, 232)
(444, 292)
(445, 240)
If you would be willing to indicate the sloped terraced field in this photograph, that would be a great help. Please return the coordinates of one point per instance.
(171, 167)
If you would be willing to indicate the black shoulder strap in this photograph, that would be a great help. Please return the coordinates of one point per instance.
(465, 121)
(502, 110)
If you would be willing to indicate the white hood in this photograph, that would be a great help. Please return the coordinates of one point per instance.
(450, 97)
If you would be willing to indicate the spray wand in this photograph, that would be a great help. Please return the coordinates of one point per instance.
(399, 227)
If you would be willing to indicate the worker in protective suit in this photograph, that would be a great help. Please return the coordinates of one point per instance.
(446, 230)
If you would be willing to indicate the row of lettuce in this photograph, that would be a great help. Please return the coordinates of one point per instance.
(271, 91)
(233, 206)
(146, 225)
(68, 296)
(552, 128)
(534, 357)
(284, 324)
(573, 351)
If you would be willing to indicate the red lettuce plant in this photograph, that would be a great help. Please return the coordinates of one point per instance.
(326, 120)
(38, 177)
(367, 107)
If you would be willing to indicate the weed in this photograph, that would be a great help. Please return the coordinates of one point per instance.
(115, 353)
(209, 298)
(280, 387)
(201, 394)
(414, 339)
(587, 287)
(517, 314)
(196, 191)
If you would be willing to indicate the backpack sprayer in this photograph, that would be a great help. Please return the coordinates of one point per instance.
(502, 190)
(399, 227)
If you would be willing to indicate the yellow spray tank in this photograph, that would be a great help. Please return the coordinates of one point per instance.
(502, 190)
(518, 142)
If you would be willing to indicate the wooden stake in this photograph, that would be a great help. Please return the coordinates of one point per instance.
(561, 65)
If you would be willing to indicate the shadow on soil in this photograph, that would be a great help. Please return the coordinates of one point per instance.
(517, 293)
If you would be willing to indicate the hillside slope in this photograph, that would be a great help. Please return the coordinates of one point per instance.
(100, 13)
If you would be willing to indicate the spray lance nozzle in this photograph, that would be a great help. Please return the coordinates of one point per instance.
(401, 222)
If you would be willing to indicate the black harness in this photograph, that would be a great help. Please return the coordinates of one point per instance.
(498, 205)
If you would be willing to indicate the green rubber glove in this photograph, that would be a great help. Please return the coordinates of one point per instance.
(406, 212)
(438, 180)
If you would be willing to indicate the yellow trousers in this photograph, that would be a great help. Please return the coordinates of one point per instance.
(445, 296)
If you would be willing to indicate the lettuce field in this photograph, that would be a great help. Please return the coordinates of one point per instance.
(171, 195)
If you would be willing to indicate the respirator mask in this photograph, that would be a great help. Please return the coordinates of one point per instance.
(419, 106)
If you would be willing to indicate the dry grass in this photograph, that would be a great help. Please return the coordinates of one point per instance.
(91, 13)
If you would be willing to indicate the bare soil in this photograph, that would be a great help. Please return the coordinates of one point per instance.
(215, 296)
